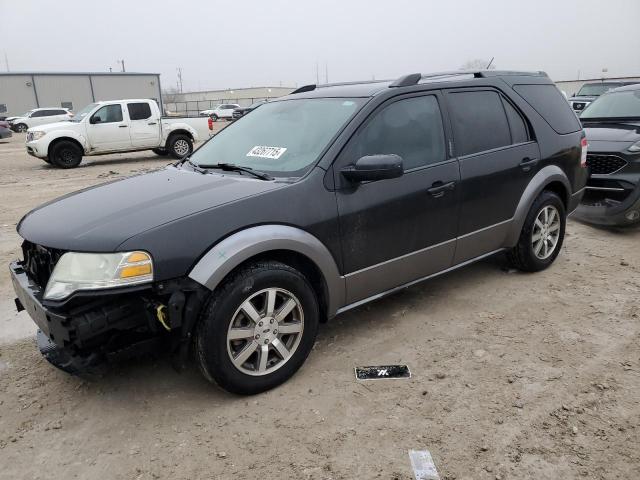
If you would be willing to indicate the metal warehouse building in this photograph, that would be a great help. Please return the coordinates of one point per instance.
(20, 92)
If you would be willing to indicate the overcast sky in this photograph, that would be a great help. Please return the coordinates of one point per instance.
(243, 43)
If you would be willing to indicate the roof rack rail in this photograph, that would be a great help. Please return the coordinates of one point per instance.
(304, 88)
(414, 78)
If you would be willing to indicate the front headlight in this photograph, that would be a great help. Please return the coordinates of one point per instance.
(37, 135)
(635, 147)
(91, 271)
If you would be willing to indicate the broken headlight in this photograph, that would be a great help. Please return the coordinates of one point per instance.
(92, 271)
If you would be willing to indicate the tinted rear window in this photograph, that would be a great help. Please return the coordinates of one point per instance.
(547, 100)
(139, 111)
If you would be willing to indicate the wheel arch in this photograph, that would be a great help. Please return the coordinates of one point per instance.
(550, 178)
(182, 130)
(64, 139)
(289, 245)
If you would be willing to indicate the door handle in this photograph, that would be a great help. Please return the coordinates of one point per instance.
(151, 123)
(438, 189)
(122, 126)
(527, 163)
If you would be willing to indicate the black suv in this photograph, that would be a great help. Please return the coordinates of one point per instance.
(306, 207)
(612, 126)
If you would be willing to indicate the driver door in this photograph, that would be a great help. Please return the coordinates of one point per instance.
(399, 230)
(108, 130)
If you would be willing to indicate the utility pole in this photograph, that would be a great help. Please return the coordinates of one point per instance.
(122, 62)
(179, 82)
(326, 72)
(317, 74)
(6, 61)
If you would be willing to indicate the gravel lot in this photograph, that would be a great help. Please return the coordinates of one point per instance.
(515, 376)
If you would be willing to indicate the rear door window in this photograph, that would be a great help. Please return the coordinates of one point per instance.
(139, 111)
(519, 130)
(479, 121)
(549, 102)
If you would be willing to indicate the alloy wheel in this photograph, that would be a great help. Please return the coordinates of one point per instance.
(546, 232)
(265, 331)
(181, 147)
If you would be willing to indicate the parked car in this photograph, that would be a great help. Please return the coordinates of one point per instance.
(612, 124)
(224, 110)
(240, 111)
(39, 116)
(114, 126)
(5, 131)
(590, 91)
(226, 252)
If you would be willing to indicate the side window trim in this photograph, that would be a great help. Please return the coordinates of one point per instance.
(527, 125)
(339, 161)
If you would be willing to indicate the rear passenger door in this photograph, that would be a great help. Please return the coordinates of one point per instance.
(398, 230)
(143, 126)
(498, 157)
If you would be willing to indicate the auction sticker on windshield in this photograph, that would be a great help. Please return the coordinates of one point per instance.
(266, 152)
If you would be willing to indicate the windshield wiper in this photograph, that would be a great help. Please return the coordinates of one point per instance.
(194, 167)
(231, 167)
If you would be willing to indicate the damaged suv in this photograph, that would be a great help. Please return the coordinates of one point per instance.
(312, 204)
(612, 125)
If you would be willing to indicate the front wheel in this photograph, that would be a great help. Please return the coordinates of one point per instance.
(257, 330)
(21, 127)
(180, 146)
(542, 234)
(66, 154)
(214, 117)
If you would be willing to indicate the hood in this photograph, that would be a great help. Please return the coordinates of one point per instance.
(50, 127)
(100, 218)
(589, 98)
(627, 132)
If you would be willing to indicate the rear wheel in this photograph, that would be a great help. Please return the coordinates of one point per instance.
(214, 117)
(180, 146)
(542, 234)
(66, 154)
(257, 329)
(21, 127)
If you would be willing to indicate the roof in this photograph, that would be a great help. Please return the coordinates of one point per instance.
(76, 73)
(373, 87)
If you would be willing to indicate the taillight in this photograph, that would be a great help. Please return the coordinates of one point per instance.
(210, 122)
(583, 152)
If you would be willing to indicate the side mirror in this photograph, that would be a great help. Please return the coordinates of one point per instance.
(95, 119)
(374, 167)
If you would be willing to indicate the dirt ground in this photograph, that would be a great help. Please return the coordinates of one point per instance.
(514, 376)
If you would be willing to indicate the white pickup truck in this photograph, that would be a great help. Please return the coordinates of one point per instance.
(113, 127)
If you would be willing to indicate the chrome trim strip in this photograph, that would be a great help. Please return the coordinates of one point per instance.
(606, 189)
(484, 228)
(406, 255)
(395, 289)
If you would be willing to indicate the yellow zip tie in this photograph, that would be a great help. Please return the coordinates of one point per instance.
(162, 316)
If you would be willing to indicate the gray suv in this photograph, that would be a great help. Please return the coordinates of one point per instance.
(309, 206)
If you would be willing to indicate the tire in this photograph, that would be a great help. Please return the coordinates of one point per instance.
(535, 254)
(224, 310)
(180, 146)
(160, 151)
(214, 117)
(65, 154)
(47, 160)
(21, 128)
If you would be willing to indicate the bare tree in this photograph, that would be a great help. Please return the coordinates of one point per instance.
(477, 64)
(169, 94)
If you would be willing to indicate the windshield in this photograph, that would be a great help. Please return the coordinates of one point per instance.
(282, 138)
(595, 89)
(625, 104)
(83, 113)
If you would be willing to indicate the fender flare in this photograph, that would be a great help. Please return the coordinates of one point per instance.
(546, 176)
(176, 127)
(222, 258)
(70, 135)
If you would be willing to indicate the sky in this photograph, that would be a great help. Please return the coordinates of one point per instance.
(244, 43)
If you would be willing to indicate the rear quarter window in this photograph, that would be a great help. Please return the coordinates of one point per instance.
(549, 102)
